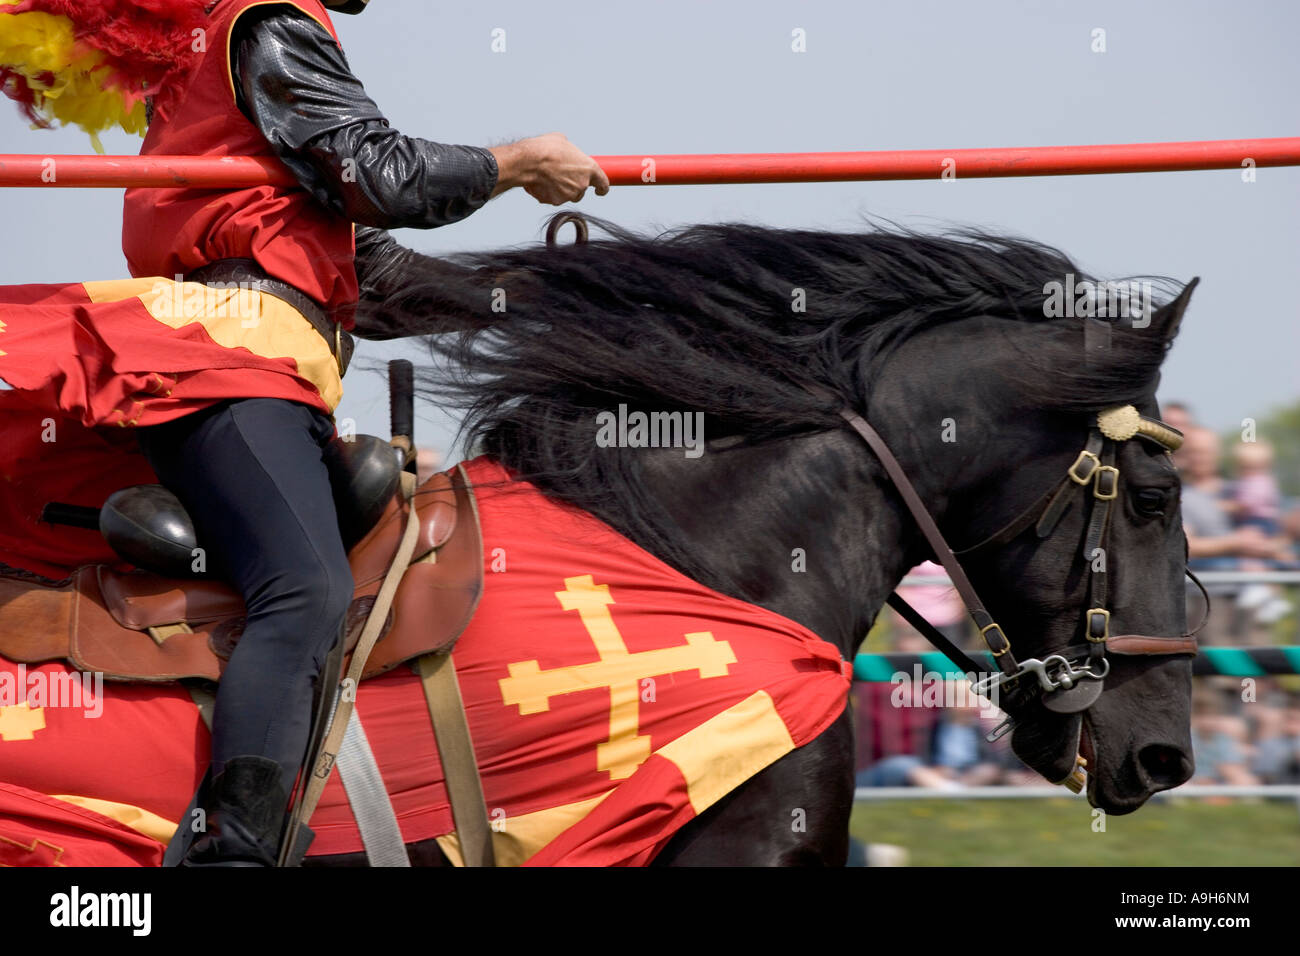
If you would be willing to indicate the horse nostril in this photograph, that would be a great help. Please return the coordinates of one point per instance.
(1165, 767)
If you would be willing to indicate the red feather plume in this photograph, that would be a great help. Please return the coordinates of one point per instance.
(147, 44)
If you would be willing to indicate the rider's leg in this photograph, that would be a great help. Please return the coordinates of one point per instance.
(251, 475)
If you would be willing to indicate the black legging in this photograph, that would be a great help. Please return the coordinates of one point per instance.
(251, 474)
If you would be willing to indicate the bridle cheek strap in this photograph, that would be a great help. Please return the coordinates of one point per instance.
(993, 635)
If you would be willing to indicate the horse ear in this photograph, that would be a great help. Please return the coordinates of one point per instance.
(1166, 319)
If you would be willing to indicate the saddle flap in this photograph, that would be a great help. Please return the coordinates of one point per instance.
(35, 620)
(439, 593)
(435, 502)
(97, 642)
(139, 600)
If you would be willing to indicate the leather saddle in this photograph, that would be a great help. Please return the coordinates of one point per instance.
(140, 626)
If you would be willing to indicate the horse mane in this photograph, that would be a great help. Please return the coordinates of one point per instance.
(732, 320)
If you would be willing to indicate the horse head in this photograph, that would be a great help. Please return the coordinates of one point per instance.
(1054, 483)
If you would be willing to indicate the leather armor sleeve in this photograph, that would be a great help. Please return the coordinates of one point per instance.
(398, 286)
(294, 83)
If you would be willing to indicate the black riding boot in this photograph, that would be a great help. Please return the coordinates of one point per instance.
(245, 810)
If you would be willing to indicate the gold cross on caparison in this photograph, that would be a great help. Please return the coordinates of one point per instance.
(531, 688)
(20, 722)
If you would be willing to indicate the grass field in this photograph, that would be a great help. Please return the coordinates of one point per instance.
(1059, 832)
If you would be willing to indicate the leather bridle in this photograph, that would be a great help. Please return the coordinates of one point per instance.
(1071, 680)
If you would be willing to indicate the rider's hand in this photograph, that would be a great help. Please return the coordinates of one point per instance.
(550, 168)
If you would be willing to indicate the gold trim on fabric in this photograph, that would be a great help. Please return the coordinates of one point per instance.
(234, 318)
(138, 819)
(521, 837)
(714, 758)
(726, 750)
(230, 76)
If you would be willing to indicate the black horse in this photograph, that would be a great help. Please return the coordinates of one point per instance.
(945, 345)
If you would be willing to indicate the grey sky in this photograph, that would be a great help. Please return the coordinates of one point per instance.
(683, 76)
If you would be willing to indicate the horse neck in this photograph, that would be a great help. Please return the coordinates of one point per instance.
(801, 526)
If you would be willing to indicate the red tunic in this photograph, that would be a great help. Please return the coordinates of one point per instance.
(169, 232)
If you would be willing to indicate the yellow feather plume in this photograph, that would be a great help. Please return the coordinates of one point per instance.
(69, 78)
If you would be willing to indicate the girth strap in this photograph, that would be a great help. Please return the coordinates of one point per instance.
(456, 751)
(368, 797)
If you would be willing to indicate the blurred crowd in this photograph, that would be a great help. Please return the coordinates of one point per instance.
(1240, 523)
(1243, 732)
(1242, 743)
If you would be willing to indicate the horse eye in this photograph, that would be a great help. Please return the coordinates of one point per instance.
(1151, 501)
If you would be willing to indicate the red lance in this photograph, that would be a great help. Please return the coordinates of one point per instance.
(235, 172)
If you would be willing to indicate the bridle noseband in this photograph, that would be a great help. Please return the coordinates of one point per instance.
(1069, 681)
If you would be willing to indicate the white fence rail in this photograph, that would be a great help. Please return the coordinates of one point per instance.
(1193, 791)
(1207, 578)
(1281, 791)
